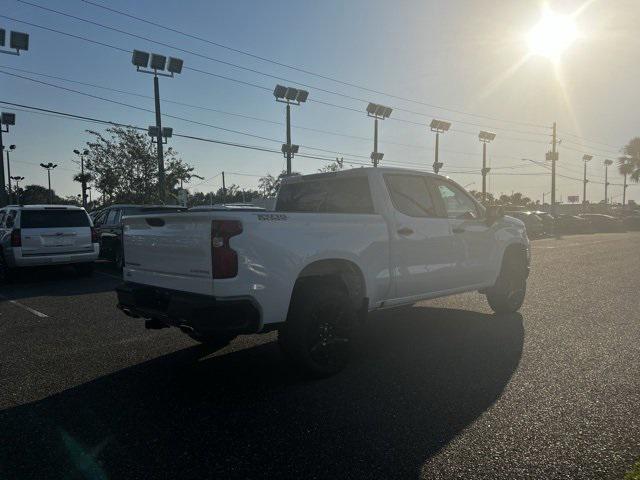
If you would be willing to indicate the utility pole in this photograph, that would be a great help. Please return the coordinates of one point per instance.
(624, 190)
(224, 187)
(159, 144)
(606, 179)
(586, 158)
(553, 157)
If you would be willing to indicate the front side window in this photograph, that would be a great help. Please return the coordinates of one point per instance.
(113, 217)
(456, 202)
(410, 195)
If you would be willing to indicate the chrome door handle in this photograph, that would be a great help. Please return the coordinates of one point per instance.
(405, 231)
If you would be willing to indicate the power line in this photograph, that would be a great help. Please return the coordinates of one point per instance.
(298, 69)
(97, 97)
(248, 69)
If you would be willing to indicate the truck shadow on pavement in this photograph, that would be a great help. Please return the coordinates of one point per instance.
(58, 281)
(420, 376)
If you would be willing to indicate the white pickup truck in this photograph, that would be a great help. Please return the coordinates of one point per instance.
(337, 246)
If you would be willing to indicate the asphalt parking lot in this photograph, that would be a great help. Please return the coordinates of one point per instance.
(441, 390)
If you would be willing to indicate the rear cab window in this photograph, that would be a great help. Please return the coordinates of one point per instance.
(327, 195)
(52, 218)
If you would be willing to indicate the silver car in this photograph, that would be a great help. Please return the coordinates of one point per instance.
(36, 235)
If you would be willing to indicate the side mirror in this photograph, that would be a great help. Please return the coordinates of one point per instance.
(494, 212)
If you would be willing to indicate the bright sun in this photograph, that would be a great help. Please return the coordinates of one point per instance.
(552, 35)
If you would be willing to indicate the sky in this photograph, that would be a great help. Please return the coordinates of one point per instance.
(465, 61)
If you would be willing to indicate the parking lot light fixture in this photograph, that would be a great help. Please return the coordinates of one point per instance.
(18, 41)
(83, 180)
(377, 112)
(11, 149)
(438, 126)
(290, 96)
(155, 65)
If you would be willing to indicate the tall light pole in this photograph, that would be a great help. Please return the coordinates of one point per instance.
(377, 112)
(17, 179)
(83, 180)
(438, 126)
(11, 147)
(48, 167)
(606, 179)
(585, 159)
(553, 157)
(485, 137)
(290, 96)
(157, 65)
(6, 119)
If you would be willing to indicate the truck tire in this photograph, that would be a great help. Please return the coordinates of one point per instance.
(507, 295)
(318, 332)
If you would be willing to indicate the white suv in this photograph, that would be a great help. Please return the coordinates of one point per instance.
(36, 235)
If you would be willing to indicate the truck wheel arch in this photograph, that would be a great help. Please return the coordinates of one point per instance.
(341, 271)
(515, 252)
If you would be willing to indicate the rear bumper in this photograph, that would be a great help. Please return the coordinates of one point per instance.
(202, 313)
(18, 260)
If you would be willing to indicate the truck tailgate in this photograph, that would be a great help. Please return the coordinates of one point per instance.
(169, 250)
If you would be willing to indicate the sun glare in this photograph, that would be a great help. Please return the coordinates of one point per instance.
(552, 35)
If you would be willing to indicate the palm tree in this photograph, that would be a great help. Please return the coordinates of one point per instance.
(629, 164)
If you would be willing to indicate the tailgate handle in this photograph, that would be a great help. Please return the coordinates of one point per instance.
(155, 222)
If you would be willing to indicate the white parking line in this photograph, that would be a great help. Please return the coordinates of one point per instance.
(24, 307)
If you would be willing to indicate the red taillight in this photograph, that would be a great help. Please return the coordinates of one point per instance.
(224, 258)
(16, 238)
(94, 235)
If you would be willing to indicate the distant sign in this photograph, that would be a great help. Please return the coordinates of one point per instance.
(573, 198)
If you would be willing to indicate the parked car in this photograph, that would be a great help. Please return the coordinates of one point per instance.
(548, 222)
(108, 224)
(36, 235)
(534, 224)
(569, 224)
(338, 245)
(632, 222)
(603, 223)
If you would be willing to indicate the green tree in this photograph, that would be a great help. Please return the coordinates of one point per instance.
(334, 166)
(269, 185)
(123, 165)
(629, 163)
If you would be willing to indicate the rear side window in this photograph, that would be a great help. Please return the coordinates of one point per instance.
(53, 219)
(332, 195)
(410, 195)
